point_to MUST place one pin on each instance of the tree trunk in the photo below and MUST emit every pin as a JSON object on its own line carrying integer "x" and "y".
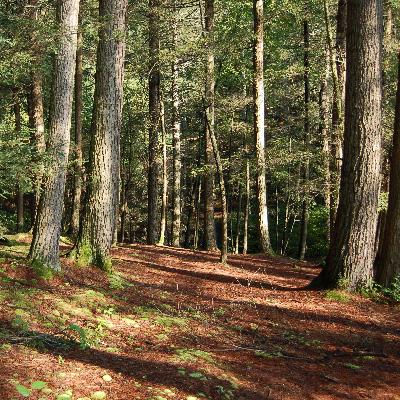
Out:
{"x": 324, "y": 135}
{"x": 337, "y": 63}
{"x": 164, "y": 199}
{"x": 176, "y": 145}
{"x": 351, "y": 254}
{"x": 78, "y": 162}
{"x": 101, "y": 205}
{"x": 306, "y": 194}
{"x": 224, "y": 249}
{"x": 388, "y": 261}
{"x": 209, "y": 227}
{"x": 45, "y": 243}
{"x": 154, "y": 114}
{"x": 238, "y": 220}
{"x": 246, "y": 208}
{"x": 19, "y": 198}
{"x": 259, "y": 129}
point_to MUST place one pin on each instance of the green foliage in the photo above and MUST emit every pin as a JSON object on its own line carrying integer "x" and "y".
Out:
{"x": 42, "y": 270}
{"x": 193, "y": 355}
{"x": 336, "y": 295}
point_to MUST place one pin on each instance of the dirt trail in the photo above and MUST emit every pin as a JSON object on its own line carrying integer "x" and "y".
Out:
{"x": 174, "y": 323}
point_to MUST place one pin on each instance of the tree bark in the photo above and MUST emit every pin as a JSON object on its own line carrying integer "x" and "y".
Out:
{"x": 176, "y": 145}
{"x": 306, "y": 194}
{"x": 164, "y": 199}
{"x": 259, "y": 128}
{"x": 20, "y": 192}
{"x": 45, "y": 243}
{"x": 351, "y": 254}
{"x": 101, "y": 205}
{"x": 78, "y": 161}
{"x": 154, "y": 114}
{"x": 388, "y": 261}
{"x": 209, "y": 227}
{"x": 246, "y": 207}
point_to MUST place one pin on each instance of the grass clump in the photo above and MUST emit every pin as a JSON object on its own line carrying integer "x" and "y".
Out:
{"x": 193, "y": 355}
{"x": 42, "y": 270}
{"x": 336, "y": 295}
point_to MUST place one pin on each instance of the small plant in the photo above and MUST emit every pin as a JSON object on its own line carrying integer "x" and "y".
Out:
{"x": 193, "y": 355}
{"x": 352, "y": 366}
{"x": 393, "y": 291}
{"x": 336, "y": 295}
{"x": 42, "y": 270}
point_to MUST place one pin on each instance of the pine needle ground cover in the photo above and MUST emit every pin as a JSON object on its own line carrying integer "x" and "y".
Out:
{"x": 175, "y": 324}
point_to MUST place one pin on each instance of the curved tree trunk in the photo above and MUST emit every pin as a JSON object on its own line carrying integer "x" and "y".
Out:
{"x": 99, "y": 221}
{"x": 259, "y": 129}
{"x": 351, "y": 255}
{"x": 388, "y": 262}
{"x": 45, "y": 243}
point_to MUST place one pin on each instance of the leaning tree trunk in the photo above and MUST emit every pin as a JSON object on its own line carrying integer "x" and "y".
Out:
{"x": 78, "y": 161}
{"x": 45, "y": 243}
{"x": 388, "y": 261}
{"x": 100, "y": 217}
{"x": 351, "y": 254}
{"x": 306, "y": 166}
{"x": 209, "y": 228}
{"x": 154, "y": 123}
{"x": 259, "y": 130}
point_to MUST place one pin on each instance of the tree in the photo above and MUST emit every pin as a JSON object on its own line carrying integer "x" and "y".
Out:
{"x": 45, "y": 243}
{"x": 388, "y": 260}
{"x": 154, "y": 123}
{"x": 351, "y": 254}
{"x": 78, "y": 161}
{"x": 259, "y": 106}
{"x": 209, "y": 228}
{"x": 101, "y": 206}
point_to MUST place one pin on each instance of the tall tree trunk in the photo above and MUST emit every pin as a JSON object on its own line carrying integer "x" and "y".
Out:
{"x": 20, "y": 192}
{"x": 259, "y": 121}
{"x": 209, "y": 227}
{"x": 239, "y": 206}
{"x": 324, "y": 135}
{"x": 388, "y": 261}
{"x": 78, "y": 161}
{"x": 154, "y": 114}
{"x": 45, "y": 243}
{"x": 176, "y": 145}
{"x": 35, "y": 112}
{"x": 246, "y": 208}
{"x": 164, "y": 198}
{"x": 306, "y": 194}
{"x": 337, "y": 57}
{"x": 351, "y": 254}
{"x": 101, "y": 205}
{"x": 224, "y": 249}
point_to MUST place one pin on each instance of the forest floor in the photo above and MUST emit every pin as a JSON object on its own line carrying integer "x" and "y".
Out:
{"x": 175, "y": 324}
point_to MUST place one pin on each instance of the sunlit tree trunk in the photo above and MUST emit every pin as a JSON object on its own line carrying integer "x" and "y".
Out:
{"x": 388, "y": 260}
{"x": 46, "y": 234}
{"x": 78, "y": 156}
{"x": 352, "y": 253}
{"x": 259, "y": 129}
{"x": 101, "y": 208}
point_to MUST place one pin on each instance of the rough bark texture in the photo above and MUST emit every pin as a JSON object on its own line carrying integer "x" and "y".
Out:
{"x": 351, "y": 255}
{"x": 154, "y": 123}
{"x": 306, "y": 166}
{"x": 101, "y": 208}
{"x": 164, "y": 198}
{"x": 45, "y": 243}
{"x": 78, "y": 156}
{"x": 209, "y": 228}
{"x": 20, "y": 194}
{"x": 176, "y": 145}
{"x": 388, "y": 262}
{"x": 259, "y": 129}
